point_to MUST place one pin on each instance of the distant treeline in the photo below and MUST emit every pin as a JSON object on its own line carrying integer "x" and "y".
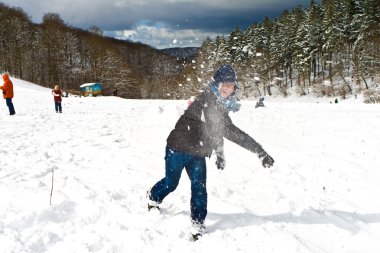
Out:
{"x": 331, "y": 48}
{"x": 54, "y": 53}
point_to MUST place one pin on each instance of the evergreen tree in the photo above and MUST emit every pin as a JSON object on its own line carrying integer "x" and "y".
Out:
{"x": 236, "y": 44}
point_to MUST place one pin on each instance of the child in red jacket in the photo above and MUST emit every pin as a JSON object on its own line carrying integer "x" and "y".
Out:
{"x": 57, "y": 93}
{"x": 8, "y": 93}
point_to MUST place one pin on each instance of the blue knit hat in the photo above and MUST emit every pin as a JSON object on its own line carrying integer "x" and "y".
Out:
{"x": 224, "y": 74}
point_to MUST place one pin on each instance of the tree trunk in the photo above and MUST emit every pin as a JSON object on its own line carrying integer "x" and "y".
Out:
{"x": 349, "y": 87}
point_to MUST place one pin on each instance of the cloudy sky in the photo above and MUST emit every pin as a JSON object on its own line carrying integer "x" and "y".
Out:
{"x": 159, "y": 23}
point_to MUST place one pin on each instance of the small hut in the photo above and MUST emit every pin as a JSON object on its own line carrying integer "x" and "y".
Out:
{"x": 91, "y": 89}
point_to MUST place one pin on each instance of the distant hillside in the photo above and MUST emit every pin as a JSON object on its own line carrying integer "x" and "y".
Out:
{"x": 53, "y": 53}
{"x": 180, "y": 53}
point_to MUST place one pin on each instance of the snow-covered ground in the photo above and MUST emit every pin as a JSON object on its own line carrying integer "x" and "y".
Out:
{"x": 322, "y": 195}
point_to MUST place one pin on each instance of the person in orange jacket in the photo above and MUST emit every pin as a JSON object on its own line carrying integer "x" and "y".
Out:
{"x": 8, "y": 93}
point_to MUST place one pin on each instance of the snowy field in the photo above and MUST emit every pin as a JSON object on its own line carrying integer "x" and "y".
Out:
{"x": 322, "y": 195}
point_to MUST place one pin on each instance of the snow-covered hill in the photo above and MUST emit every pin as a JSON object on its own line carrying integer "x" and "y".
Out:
{"x": 322, "y": 195}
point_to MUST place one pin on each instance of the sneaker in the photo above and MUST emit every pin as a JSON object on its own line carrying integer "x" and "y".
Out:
{"x": 151, "y": 203}
{"x": 197, "y": 230}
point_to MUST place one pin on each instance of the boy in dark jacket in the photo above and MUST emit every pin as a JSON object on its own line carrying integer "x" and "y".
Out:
{"x": 199, "y": 132}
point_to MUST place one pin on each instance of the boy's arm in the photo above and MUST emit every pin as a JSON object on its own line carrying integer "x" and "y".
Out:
{"x": 234, "y": 134}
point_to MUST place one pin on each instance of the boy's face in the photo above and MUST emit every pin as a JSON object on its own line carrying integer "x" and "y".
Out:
{"x": 226, "y": 89}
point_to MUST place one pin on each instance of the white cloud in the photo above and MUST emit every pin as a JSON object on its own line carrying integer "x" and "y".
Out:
{"x": 183, "y": 21}
{"x": 161, "y": 36}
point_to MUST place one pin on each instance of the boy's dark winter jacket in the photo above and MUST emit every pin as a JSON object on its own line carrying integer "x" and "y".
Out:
{"x": 201, "y": 129}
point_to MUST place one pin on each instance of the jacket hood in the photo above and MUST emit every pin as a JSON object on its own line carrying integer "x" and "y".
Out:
{"x": 5, "y": 76}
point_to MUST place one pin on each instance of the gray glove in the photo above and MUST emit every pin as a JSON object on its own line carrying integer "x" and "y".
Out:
{"x": 220, "y": 161}
{"x": 266, "y": 159}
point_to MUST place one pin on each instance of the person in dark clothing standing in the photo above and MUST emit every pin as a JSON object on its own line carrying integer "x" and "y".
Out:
{"x": 57, "y": 93}
{"x": 8, "y": 93}
{"x": 197, "y": 134}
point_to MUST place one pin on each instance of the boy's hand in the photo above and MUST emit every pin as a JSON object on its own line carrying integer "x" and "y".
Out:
{"x": 220, "y": 161}
{"x": 267, "y": 161}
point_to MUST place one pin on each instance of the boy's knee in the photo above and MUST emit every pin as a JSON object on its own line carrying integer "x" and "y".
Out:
{"x": 171, "y": 186}
{"x": 199, "y": 186}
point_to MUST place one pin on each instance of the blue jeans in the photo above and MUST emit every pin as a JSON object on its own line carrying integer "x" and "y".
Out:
{"x": 196, "y": 170}
{"x": 58, "y": 106}
{"x": 10, "y": 106}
